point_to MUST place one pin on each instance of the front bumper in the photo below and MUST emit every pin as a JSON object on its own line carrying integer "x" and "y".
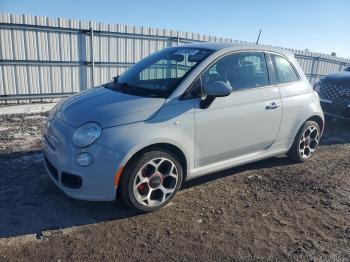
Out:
{"x": 339, "y": 109}
{"x": 95, "y": 182}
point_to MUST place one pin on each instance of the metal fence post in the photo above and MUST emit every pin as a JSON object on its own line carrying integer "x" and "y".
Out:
{"x": 92, "y": 57}
{"x": 82, "y": 44}
{"x": 316, "y": 69}
{"x": 312, "y": 69}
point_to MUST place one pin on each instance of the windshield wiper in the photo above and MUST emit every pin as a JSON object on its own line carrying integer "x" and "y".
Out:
{"x": 130, "y": 89}
{"x": 121, "y": 87}
{"x": 127, "y": 88}
{"x": 110, "y": 85}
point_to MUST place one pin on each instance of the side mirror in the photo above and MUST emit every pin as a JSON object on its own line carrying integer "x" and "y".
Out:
{"x": 176, "y": 57}
{"x": 217, "y": 89}
{"x": 214, "y": 89}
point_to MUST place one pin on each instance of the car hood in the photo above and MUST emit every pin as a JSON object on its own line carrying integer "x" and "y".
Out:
{"x": 342, "y": 78}
{"x": 107, "y": 107}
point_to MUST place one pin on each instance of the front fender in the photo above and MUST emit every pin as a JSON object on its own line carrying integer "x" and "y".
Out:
{"x": 134, "y": 137}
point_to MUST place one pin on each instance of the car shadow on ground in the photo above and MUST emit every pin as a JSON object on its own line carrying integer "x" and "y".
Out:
{"x": 31, "y": 203}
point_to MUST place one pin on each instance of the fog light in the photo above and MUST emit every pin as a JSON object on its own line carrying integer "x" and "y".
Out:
{"x": 84, "y": 159}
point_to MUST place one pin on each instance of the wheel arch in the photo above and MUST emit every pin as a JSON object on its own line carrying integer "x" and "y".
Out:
{"x": 291, "y": 153}
{"x": 314, "y": 116}
{"x": 179, "y": 153}
{"x": 318, "y": 120}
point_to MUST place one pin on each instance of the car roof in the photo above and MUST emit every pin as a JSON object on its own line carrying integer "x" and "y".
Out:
{"x": 236, "y": 47}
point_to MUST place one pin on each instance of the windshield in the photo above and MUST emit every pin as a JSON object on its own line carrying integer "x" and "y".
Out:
{"x": 159, "y": 74}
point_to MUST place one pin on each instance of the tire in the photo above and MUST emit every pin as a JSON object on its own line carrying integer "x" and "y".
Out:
{"x": 151, "y": 180}
{"x": 306, "y": 142}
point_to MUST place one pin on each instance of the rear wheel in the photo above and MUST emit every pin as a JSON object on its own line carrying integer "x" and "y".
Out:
{"x": 151, "y": 180}
{"x": 306, "y": 142}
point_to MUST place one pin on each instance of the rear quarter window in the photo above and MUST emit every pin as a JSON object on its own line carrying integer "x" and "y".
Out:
{"x": 284, "y": 71}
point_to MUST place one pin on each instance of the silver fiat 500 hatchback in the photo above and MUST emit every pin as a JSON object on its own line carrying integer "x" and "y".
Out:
{"x": 178, "y": 114}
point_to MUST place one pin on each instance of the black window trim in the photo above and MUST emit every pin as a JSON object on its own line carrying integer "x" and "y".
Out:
{"x": 270, "y": 69}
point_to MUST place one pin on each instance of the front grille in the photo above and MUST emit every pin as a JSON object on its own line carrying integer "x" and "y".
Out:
{"x": 333, "y": 92}
{"x": 53, "y": 171}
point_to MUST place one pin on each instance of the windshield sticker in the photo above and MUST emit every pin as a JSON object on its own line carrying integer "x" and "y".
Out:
{"x": 186, "y": 51}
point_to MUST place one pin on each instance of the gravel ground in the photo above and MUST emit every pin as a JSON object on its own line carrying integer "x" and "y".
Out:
{"x": 270, "y": 210}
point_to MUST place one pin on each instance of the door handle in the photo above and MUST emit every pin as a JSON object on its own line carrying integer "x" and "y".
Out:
{"x": 272, "y": 106}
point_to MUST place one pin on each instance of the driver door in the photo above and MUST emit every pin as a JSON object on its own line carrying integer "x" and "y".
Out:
{"x": 245, "y": 122}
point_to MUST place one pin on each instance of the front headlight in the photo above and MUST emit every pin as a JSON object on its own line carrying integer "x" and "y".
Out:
{"x": 87, "y": 134}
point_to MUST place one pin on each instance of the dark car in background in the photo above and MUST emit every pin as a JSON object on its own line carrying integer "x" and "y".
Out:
{"x": 334, "y": 92}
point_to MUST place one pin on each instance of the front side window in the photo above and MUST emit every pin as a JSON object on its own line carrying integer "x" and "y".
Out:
{"x": 284, "y": 72}
{"x": 159, "y": 74}
{"x": 240, "y": 70}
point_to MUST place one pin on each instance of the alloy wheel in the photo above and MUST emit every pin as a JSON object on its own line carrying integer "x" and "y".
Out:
{"x": 155, "y": 182}
{"x": 309, "y": 142}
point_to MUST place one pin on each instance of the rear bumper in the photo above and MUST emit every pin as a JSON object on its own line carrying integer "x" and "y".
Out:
{"x": 336, "y": 109}
{"x": 95, "y": 182}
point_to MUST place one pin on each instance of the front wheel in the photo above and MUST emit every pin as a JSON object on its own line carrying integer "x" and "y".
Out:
{"x": 306, "y": 142}
{"x": 151, "y": 180}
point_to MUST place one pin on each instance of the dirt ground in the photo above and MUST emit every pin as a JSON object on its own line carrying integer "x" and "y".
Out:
{"x": 270, "y": 210}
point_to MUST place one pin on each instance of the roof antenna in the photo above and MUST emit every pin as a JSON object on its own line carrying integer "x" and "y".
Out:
{"x": 257, "y": 41}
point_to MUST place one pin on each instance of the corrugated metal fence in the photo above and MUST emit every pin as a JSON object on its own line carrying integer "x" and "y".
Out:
{"x": 43, "y": 58}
